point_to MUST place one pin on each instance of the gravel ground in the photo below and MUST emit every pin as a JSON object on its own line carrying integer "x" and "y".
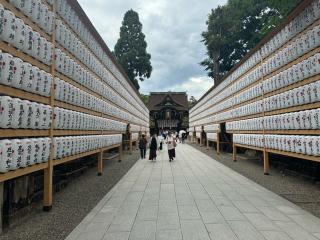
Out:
{"x": 297, "y": 189}
{"x": 71, "y": 204}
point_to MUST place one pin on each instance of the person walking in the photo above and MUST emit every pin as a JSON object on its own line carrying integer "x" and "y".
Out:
{"x": 171, "y": 144}
{"x": 143, "y": 146}
{"x": 153, "y": 148}
{"x": 180, "y": 136}
{"x": 160, "y": 142}
{"x": 183, "y": 137}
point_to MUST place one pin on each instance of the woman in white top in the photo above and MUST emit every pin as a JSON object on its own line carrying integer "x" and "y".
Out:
{"x": 171, "y": 144}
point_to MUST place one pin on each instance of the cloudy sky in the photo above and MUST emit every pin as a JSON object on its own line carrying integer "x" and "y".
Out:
{"x": 172, "y": 29}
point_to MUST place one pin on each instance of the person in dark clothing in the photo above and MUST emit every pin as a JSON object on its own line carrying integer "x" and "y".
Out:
{"x": 183, "y": 137}
{"x": 143, "y": 146}
{"x": 153, "y": 148}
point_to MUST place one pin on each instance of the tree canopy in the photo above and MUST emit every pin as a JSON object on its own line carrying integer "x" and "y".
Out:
{"x": 235, "y": 28}
{"x": 145, "y": 98}
{"x": 131, "y": 49}
{"x": 192, "y": 101}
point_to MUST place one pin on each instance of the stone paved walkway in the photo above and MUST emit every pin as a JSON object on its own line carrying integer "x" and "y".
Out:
{"x": 194, "y": 197}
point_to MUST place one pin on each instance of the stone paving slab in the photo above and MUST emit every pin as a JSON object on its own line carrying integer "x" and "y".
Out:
{"x": 193, "y": 198}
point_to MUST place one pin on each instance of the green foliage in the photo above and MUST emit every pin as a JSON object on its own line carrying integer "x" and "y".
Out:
{"x": 131, "y": 49}
{"x": 145, "y": 98}
{"x": 235, "y": 28}
{"x": 192, "y": 101}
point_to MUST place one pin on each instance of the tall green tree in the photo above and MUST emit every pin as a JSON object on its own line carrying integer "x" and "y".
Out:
{"x": 219, "y": 34}
{"x": 235, "y": 28}
{"x": 131, "y": 49}
{"x": 145, "y": 98}
{"x": 192, "y": 101}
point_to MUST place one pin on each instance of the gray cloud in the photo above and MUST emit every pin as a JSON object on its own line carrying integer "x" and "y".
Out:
{"x": 172, "y": 29}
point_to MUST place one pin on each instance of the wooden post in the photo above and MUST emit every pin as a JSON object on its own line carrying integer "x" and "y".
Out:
{"x": 120, "y": 153}
{"x": 100, "y": 163}
{"x": 48, "y": 172}
{"x": 218, "y": 144}
{"x": 266, "y": 166}
{"x": 207, "y": 144}
{"x": 234, "y": 152}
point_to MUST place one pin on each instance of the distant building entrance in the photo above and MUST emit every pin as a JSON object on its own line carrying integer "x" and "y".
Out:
{"x": 168, "y": 111}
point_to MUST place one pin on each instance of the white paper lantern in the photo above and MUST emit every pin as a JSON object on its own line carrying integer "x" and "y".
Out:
{"x": 9, "y": 27}
{"x": 37, "y": 150}
{"x": 27, "y": 114}
{"x": 17, "y": 113}
{"x": 7, "y": 69}
{"x": 35, "y": 118}
{"x": 27, "y": 152}
{"x": 18, "y": 72}
{"x": 5, "y": 155}
{"x": 6, "y": 111}
{"x": 17, "y": 154}
{"x": 20, "y": 34}
{"x": 28, "y": 43}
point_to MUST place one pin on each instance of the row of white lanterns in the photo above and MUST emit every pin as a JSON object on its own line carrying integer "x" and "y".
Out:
{"x": 72, "y": 69}
{"x": 309, "y": 15}
{"x": 298, "y": 96}
{"x": 37, "y": 11}
{"x": 294, "y": 50}
{"x": 212, "y": 128}
{"x": 15, "y": 32}
{"x": 17, "y": 113}
{"x": 298, "y": 72}
{"x": 308, "y": 145}
{"x": 303, "y": 70}
{"x": 68, "y": 119}
{"x": 72, "y": 145}
{"x": 305, "y": 94}
{"x": 302, "y": 120}
{"x": 22, "y": 75}
{"x": 20, "y": 153}
{"x": 68, "y": 93}
{"x": 70, "y": 42}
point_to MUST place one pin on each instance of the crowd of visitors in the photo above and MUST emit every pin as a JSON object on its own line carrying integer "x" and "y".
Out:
{"x": 157, "y": 144}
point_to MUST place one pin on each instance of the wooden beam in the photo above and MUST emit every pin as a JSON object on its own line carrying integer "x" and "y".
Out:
{"x": 22, "y": 171}
{"x": 296, "y": 155}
